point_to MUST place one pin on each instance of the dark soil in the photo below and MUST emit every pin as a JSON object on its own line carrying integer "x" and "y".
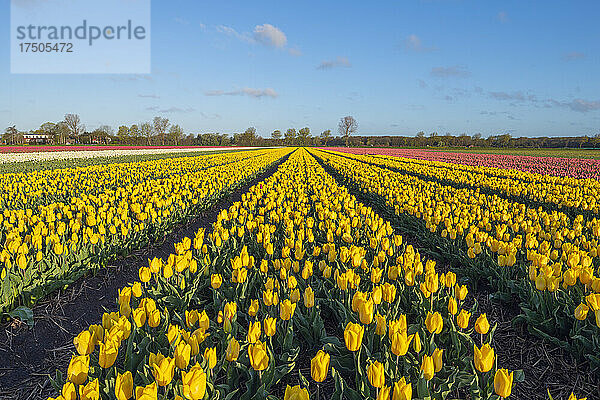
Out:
{"x": 29, "y": 356}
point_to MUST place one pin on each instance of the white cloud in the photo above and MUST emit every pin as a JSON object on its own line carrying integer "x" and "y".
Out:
{"x": 256, "y": 93}
{"x": 453, "y": 71}
{"x": 338, "y": 62}
{"x": 414, "y": 43}
{"x": 270, "y": 35}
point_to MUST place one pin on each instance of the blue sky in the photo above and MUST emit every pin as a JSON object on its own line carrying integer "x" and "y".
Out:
{"x": 529, "y": 68}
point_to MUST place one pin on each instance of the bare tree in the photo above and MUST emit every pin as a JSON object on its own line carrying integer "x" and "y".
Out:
{"x": 347, "y": 127}
{"x": 146, "y": 131}
{"x": 160, "y": 128}
{"x": 290, "y": 136}
{"x": 175, "y": 134}
{"x": 74, "y": 125}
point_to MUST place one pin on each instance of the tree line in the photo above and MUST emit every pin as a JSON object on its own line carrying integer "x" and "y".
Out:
{"x": 160, "y": 131}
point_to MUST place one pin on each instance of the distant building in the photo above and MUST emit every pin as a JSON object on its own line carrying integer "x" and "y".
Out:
{"x": 36, "y": 138}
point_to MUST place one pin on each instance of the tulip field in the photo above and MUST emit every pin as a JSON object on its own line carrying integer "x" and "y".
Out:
{"x": 340, "y": 275}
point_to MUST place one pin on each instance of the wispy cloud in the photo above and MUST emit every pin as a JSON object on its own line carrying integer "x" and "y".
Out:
{"x": 270, "y": 35}
{"x": 170, "y": 110}
{"x": 502, "y": 16}
{"x": 149, "y": 96}
{"x": 573, "y": 55}
{"x": 514, "y": 96}
{"x": 579, "y": 105}
{"x": 256, "y": 93}
{"x": 229, "y": 31}
{"x": 456, "y": 71}
{"x": 338, "y": 62}
{"x": 415, "y": 44}
{"x": 295, "y": 51}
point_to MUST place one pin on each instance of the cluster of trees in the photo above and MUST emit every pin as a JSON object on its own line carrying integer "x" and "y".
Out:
{"x": 159, "y": 131}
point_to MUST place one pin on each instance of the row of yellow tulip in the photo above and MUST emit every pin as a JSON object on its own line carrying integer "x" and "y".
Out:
{"x": 553, "y": 253}
{"x": 298, "y": 265}
{"x": 104, "y": 210}
{"x": 583, "y": 194}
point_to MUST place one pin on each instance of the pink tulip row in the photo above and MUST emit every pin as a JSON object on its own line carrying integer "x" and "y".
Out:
{"x": 572, "y": 167}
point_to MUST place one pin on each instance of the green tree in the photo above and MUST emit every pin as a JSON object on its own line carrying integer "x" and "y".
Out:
{"x": 123, "y": 134}
{"x": 325, "y": 135}
{"x": 290, "y": 136}
{"x": 175, "y": 134}
{"x": 304, "y": 135}
{"x": 276, "y": 134}
{"x": 161, "y": 125}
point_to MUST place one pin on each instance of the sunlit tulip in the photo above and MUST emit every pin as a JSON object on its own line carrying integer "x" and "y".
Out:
{"x": 482, "y": 326}
{"x": 78, "y": 369}
{"x": 417, "y": 343}
{"x": 295, "y": 393}
{"x": 191, "y": 318}
{"x": 108, "y": 354}
{"x": 384, "y": 393}
{"x": 194, "y": 383}
{"x": 148, "y": 392}
{"x": 144, "y": 274}
{"x": 210, "y": 355}
{"x": 483, "y": 358}
{"x": 90, "y": 391}
{"x": 452, "y": 306}
{"x": 353, "y": 335}
{"x": 254, "y": 331}
{"x": 461, "y": 292}
{"x": 427, "y": 367}
{"x": 376, "y": 374}
{"x": 84, "y": 342}
{"x": 365, "y": 311}
{"x": 163, "y": 371}
{"x": 581, "y": 311}
{"x": 259, "y": 359}
{"x": 434, "y": 322}
{"x": 286, "y": 309}
{"x": 319, "y": 366}
{"x": 400, "y": 343}
{"x": 381, "y": 325}
{"x": 270, "y": 325}
{"x": 124, "y": 386}
{"x": 462, "y": 319}
{"x": 389, "y": 292}
{"x": 503, "y": 382}
{"x": 216, "y": 280}
{"x": 183, "y": 352}
{"x": 402, "y": 390}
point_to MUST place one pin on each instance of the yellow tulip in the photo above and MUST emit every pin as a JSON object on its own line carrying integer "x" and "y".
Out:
{"x": 183, "y": 352}
{"x": 203, "y": 321}
{"x": 191, "y": 317}
{"x": 148, "y": 392}
{"x": 381, "y": 325}
{"x": 417, "y": 343}
{"x": 124, "y": 386}
{"x": 452, "y": 307}
{"x": 437, "y": 359}
{"x": 400, "y": 343}
{"x": 434, "y": 322}
{"x": 259, "y": 359}
{"x": 145, "y": 274}
{"x": 108, "y": 354}
{"x": 216, "y": 280}
{"x": 194, "y": 383}
{"x": 90, "y": 391}
{"x": 253, "y": 309}
{"x": 210, "y": 354}
{"x": 503, "y": 382}
{"x": 482, "y": 326}
{"x": 84, "y": 343}
{"x": 254, "y": 331}
{"x": 384, "y": 393}
{"x": 286, "y": 309}
{"x": 295, "y": 393}
{"x": 376, "y": 374}
{"x": 461, "y": 292}
{"x": 462, "y": 319}
{"x": 483, "y": 358}
{"x": 365, "y": 311}
{"x": 78, "y": 369}
{"x": 309, "y": 297}
{"x": 353, "y": 335}
{"x": 163, "y": 371}
{"x": 68, "y": 392}
{"x": 154, "y": 318}
{"x": 319, "y": 366}
{"x": 270, "y": 325}
{"x": 427, "y": 367}
{"x": 139, "y": 316}
{"x": 233, "y": 350}
{"x": 402, "y": 390}
{"x": 389, "y": 292}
